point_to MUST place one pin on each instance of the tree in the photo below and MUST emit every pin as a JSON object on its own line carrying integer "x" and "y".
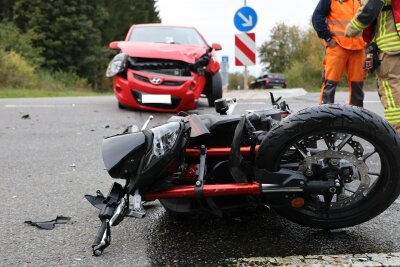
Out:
{"x": 283, "y": 46}
{"x": 68, "y": 32}
{"x": 236, "y": 80}
{"x": 11, "y": 39}
{"x": 127, "y": 12}
{"x": 306, "y": 66}
{"x": 6, "y": 8}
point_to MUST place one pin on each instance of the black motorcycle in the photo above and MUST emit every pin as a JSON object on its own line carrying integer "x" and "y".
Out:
{"x": 328, "y": 167}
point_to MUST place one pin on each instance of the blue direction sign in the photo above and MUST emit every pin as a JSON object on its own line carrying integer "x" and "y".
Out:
{"x": 245, "y": 19}
{"x": 225, "y": 59}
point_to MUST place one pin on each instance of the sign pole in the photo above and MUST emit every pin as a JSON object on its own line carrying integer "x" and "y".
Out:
{"x": 246, "y": 87}
{"x": 245, "y": 67}
{"x": 245, "y": 20}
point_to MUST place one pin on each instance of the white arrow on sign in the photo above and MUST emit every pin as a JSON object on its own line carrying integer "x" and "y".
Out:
{"x": 248, "y": 22}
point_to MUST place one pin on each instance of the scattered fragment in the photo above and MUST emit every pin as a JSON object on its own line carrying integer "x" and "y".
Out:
{"x": 26, "y": 116}
{"x": 96, "y": 201}
{"x": 49, "y": 225}
{"x": 13, "y": 196}
{"x": 92, "y": 130}
{"x": 107, "y": 126}
{"x": 73, "y": 165}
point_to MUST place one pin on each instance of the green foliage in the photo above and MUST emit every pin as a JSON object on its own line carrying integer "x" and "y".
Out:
{"x": 236, "y": 80}
{"x": 68, "y": 32}
{"x": 306, "y": 67}
{"x": 15, "y": 71}
{"x": 123, "y": 15}
{"x": 72, "y": 35}
{"x": 6, "y": 7}
{"x": 283, "y": 46}
{"x": 12, "y": 39}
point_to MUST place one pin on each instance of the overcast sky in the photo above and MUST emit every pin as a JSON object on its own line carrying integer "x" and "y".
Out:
{"x": 214, "y": 19}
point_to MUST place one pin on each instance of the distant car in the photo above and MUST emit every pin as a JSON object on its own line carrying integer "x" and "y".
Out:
{"x": 270, "y": 80}
{"x": 164, "y": 68}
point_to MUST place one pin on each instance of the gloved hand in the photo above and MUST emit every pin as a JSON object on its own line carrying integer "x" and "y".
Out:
{"x": 351, "y": 31}
{"x": 371, "y": 57}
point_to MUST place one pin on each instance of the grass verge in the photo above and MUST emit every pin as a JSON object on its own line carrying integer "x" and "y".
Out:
{"x": 21, "y": 93}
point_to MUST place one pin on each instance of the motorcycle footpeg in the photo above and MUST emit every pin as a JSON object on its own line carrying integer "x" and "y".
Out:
{"x": 102, "y": 239}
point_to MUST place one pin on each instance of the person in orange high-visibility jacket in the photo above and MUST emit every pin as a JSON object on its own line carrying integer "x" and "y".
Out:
{"x": 343, "y": 54}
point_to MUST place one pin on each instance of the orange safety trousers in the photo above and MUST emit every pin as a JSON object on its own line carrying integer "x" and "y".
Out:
{"x": 338, "y": 60}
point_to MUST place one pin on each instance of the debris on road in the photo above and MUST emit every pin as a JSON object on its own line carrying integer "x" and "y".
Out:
{"x": 49, "y": 225}
{"x": 26, "y": 116}
{"x": 96, "y": 201}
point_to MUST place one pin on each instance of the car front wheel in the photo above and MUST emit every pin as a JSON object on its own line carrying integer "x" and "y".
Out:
{"x": 215, "y": 89}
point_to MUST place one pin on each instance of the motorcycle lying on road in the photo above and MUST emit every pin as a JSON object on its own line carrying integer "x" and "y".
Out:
{"x": 327, "y": 167}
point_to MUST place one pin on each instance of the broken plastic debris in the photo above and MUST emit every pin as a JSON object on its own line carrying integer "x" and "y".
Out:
{"x": 107, "y": 126}
{"x": 73, "y": 165}
{"x": 26, "y": 116}
{"x": 49, "y": 225}
{"x": 96, "y": 201}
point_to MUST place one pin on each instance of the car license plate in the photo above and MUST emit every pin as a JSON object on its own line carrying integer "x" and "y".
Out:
{"x": 158, "y": 99}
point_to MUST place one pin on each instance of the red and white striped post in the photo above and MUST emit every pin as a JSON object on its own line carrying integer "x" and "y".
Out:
{"x": 245, "y": 52}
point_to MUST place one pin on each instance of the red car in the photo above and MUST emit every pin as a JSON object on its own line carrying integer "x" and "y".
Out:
{"x": 164, "y": 68}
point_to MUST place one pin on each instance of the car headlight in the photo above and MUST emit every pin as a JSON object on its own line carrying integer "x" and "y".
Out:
{"x": 164, "y": 138}
{"x": 117, "y": 65}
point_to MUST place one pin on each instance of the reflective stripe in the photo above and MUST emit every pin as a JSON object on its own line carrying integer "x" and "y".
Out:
{"x": 391, "y": 39}
{"x": 391, "y": 121}
{"x": 387, "y": 36}
{"x": 392, "y": 112}
{"x": 337, "y": 33}
{"x": 338, "y": 22}
{"x": 390, "y": 47}
{"x": 358, "y": 25}
{"x": 389, "y": 95}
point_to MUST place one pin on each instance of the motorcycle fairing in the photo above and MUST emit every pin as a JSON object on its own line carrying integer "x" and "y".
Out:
{"x": 149, "y": 173}
{"x": 116, "y": 149}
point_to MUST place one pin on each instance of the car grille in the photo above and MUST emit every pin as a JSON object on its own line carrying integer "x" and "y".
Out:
{"x": 166, "y": 83}
{"x": 174, "y": 102}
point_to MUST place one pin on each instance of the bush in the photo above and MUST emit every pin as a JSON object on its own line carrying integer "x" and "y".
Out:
{"x": 15, "y": 71}
{"x": 11, "y": 39}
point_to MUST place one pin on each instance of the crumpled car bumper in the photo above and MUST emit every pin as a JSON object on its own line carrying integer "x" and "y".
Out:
{"x": 172, "y": 94}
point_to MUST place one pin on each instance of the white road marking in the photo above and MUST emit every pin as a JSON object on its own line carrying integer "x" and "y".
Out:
{"x": 39, "y": 106}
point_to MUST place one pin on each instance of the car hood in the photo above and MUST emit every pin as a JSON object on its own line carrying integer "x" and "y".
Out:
{"x": 187, "y": 53}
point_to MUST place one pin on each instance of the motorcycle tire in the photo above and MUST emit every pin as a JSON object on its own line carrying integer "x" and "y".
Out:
{"x": 215, "y": 89}
{"x": 352, "y": 121}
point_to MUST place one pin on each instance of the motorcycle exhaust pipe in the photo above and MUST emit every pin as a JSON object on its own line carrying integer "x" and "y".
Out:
{"x": 214, "y": 190}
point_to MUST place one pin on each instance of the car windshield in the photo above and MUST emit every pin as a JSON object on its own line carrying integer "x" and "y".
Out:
{"x": 168, "y": 35}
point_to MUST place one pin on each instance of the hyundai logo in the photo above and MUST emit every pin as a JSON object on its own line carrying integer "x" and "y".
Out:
{"x": 155, "y": 80}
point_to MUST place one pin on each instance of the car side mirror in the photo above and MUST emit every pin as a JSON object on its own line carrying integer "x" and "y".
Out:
{"x": 216, "y": 46}
{"x": 114, "y": 45}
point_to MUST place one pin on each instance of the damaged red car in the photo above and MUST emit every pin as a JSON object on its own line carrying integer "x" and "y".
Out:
{"x": 164, "y": 68}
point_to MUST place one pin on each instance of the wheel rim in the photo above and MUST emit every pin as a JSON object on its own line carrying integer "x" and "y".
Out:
{"x": 346, "y": 157}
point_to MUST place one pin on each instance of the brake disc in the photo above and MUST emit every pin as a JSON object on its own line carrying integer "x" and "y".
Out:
{"x": 360, "y": 165}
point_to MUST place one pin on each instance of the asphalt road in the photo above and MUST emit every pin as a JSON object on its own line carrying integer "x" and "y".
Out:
{"x": 48, "y": 163}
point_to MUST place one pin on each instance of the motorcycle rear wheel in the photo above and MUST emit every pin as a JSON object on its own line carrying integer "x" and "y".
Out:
{"x": 349, "y": 135}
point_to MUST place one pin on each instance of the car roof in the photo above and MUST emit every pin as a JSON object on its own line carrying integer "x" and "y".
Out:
{"x": 160, "y": 25}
